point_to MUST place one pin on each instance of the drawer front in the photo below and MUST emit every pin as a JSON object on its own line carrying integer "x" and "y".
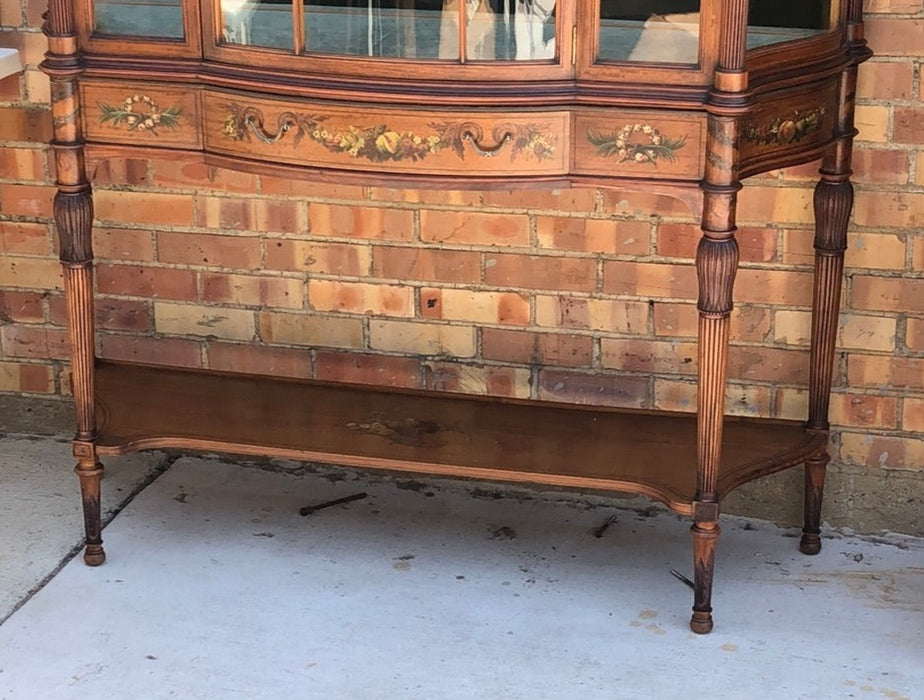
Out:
{"x": 789, "y": 125}
{"x": 398, "y": 140}
{"x": 141, "y": 114}
{"x": 636, "y": 143}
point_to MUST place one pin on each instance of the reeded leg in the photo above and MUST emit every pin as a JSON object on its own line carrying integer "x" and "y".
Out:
{"x": 814, "y": 489}
{"x": 90, "y": 473}
{"x": 704, "y": 536}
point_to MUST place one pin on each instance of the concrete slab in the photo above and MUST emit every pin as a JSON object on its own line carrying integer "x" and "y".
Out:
{"x": 41, "y": 519}
{"x": 215, "y": 587}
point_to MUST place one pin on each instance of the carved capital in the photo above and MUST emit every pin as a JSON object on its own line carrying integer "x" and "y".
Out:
{"x": 833, "y": 202}
{"x": 716, "y": 265}
{"x": 73, "y": 213}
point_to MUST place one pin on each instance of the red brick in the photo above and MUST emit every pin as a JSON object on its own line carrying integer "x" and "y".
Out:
{"x": 123, "y": 315}
{"x": 536, "y": 199}
{"x": 122, "y": 171}
{"x": 777, "y": 286}
{"x": 379, "y": 370}
{"x": 311, "y": 256}
{"x": 864, "y": 411}
{"x": 26, "y": 200}
{"x": 768, "y": 364}
{"x": 536, "y": 348}
{"x": 36, "y": 379}
{"x": 504, "y": 308}
{"x": 882, "y": 451}
{"x": 880, "y": 371}
{"x": 650, "y": 280}
{"x": 235, "y": 252}
{"x": 34, "y": 342}
{"x": 360, "y": 222}
{"x": 21, "y": 307}
{"x": 309, "y": 188}
{"x": 253, "y": 290}
{"x": 259, "y": 359}
{"x": 474, "y": 228}
{"x": 251, "y": 214}
{"x": 29, "y": 124}
{"x": 199, "y": 176}
{"x": 895, "y": 37}
{"x": 390, "y": 300}
{"x": 24, "y": 238}
{"x": 880, "y": 166}
{"x": 141, "y": 208}
{"x": 158, "y": 282}
{"x": 460, "y": 199}
{"x": 648, "y": 357}
{"x": 611, "y": 236}
{"x": 681, "y": 240}
{"x": 641, "y": 203}
{"x": 882, "y": 80}
{"x": 541, "y": 272}
{"x": 476, "y": 379}
{"x": 908, "y": 123}
{"x": 594, "y": 389}
{"x": 886, "y": 294}
{"x": 402, "y": 263}
{"x": 123, "y": 244}
{"x": 157, "y": 351}
{"x": 22, "y": 164}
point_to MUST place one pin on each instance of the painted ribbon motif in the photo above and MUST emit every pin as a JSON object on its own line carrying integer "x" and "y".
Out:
{"x": 379, "y": 143}
{"x": 636, "y": 143}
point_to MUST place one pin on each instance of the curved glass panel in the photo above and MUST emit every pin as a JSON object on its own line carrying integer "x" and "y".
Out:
{"x": 652, "y": 31}
{"x": 773, "y": 21}
{"x": 158, "y": 19}
{"x": 503, "y": 30}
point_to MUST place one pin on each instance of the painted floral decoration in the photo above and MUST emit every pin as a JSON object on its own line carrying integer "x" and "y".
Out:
{"x": 380, "y": 143}
{"x": 786, "y": 130}
{"x": 140, "y": 113}
{"x": 636, "y": 143}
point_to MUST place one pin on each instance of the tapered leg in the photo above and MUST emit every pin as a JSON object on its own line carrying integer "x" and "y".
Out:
{"x": 704, "y": 537}
{"x": 814, "y": 489}
{"x": 90, "y": 473}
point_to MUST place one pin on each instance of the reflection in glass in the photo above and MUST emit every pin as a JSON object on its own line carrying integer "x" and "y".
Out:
{"x": 655, "y": 31}
{"x": 265, "y": 23}
{"x": 159, "y": 19}
{"x": 506, "y": 30}
{"x": 773, "y": 21}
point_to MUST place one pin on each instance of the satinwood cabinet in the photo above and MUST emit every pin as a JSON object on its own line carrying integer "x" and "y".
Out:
{"x": 682, "y": 97}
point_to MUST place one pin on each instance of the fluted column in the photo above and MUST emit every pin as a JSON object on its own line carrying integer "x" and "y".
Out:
{"x": 73, "y": 215}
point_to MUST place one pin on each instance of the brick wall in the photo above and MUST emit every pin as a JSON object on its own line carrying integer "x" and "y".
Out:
{"x": 462, "y": 291}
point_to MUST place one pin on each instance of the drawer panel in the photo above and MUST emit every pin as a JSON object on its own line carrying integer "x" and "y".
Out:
{"x": 400, "y": 140}
{"x": 142, "y": 114}
{"x": 788, "y": 125}
{"x": 635, "y": 143}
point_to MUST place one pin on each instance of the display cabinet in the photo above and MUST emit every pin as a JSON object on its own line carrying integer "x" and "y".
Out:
{"x": 683, "y": 97}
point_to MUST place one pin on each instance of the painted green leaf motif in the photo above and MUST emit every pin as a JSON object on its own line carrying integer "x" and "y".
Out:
{"x": 636, "y": 143}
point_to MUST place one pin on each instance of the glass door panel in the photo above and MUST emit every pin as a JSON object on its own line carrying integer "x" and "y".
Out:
{"x": 266, "y": 23}
{"x": 650, "y": 31}
{"x": 773, "y": 21}
{"x": 430, "y": 29}
{"x": 158, "y": 19}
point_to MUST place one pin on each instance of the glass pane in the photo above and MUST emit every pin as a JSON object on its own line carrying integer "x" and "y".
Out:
{"x": 257, "y": 23}
{"x": 161, "y": 19}
{"x": 772, "y": 21}
{"x": 494, "y": 29}
{"x": 654, "y": 31}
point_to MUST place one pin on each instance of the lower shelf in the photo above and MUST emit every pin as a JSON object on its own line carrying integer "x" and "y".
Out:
{"x": 652, "y": 453}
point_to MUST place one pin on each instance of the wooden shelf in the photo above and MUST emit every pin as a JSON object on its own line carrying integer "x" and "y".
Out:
{"x": 653, "y": 453}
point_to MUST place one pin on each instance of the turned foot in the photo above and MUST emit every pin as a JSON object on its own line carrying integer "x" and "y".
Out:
{"x": 93, "y": 555}
{"x": 810, "y": 543}
{"x": 701, "y": 622}
{"x": 814, "y": 491}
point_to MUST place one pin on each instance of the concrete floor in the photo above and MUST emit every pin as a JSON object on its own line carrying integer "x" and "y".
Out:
{"x": 215, "y": 587}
